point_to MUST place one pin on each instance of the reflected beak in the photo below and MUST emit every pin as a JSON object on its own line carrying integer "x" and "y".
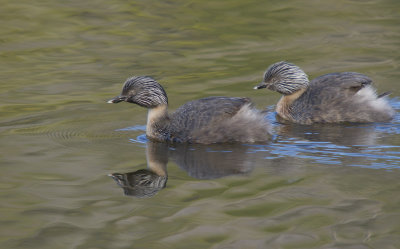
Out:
{"x": 116, "y": 99}
{"x": 118, "y": 178}
{"x": 260, "y": 86}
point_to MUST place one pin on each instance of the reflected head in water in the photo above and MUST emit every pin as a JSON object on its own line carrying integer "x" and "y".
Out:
{"x": 141, "y": 183}
{"x": 146, "y": 182}
{"x": 208, "y": 120}
{"x": 330, "y": 98}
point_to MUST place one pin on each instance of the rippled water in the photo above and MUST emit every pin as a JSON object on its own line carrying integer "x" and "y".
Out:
{"x": 332, "y": 186}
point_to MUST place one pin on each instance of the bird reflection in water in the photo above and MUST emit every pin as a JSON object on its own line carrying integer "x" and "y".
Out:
{"x": 219, "y": 160}
{"x": 199, "y": 161}
{"x": 146, "y": 182}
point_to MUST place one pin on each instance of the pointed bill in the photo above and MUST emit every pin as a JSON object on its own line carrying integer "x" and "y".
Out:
{"x": 116, "y": 99}
{"x": 260, "y": 86}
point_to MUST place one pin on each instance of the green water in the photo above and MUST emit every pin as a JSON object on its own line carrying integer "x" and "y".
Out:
{"x": 313, "y": 187}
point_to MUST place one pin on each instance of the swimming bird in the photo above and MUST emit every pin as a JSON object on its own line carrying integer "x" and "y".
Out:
{"x": 330, "y": 98}
{"x": 206, "y": 120}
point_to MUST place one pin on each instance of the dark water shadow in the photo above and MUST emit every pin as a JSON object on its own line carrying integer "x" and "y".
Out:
{"x": 199, "y": 161}
{"x": 339, "y": 134}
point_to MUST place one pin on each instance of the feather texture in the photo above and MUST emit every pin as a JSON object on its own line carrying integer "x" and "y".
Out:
{"x": 330, "y": 98}
{"x": 206, "y": 120}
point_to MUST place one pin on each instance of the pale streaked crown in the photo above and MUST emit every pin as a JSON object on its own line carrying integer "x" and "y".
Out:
{"x": 285, "y": 78}
{"x": 144, "y": 91}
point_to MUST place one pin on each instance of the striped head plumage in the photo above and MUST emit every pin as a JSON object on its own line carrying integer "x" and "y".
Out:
{"x": 143, "y": 91}
{"x": 284, "y": 77}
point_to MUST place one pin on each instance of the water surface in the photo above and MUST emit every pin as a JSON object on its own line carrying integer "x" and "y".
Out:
{"x": 332, "y": 186}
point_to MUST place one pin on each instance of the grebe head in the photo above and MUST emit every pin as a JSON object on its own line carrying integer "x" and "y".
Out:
{"x": 284, "y": 77}
{"x": 143, "y": 91}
